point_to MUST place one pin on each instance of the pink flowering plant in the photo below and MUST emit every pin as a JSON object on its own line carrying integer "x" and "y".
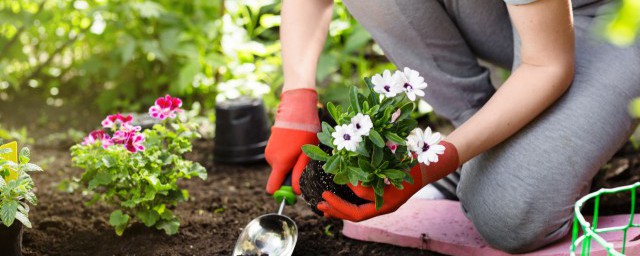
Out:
{"x": 137, "y": 171}
{"x": 375, "y": 141}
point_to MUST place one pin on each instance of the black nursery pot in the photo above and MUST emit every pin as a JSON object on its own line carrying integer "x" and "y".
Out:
{"x": 242, "y": 131}
{"x": 314, "y": 181}
{"x": 11, "y": 239}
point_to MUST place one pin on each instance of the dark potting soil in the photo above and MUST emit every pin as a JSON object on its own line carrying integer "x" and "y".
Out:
{"x": 211, "y": 220}
{"x": 314, "y": 181}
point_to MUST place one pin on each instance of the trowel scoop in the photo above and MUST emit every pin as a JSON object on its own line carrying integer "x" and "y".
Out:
{"x": 270, "y": 234}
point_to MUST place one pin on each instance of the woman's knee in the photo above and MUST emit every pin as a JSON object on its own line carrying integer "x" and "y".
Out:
{"x": 518, "y": 229}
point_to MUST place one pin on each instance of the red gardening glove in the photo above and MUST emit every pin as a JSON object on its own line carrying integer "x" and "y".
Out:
{"x": 296, "y": 124}
{"x": 336, "y": 207}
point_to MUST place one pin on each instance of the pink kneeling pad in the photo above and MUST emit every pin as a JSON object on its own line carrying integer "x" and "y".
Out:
{"x": 440, "y": 226}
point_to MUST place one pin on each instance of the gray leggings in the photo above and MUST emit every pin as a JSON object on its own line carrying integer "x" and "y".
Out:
{"x": 520, "y": 193}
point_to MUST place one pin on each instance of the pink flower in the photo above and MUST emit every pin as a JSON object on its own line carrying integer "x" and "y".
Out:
{"x": 392, "y": 146}
{"x": 111, "y": 120}
{"x": 134, "y": 143}
{"x": 106, "y": 142}
{"x": 98, "y": 135}
{"x": 395, "y": 115}
{"x": 164, "y": 107}
{"x": 121, "y": 137}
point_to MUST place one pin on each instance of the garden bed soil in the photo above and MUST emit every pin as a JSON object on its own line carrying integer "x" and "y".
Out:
{"x": 210, "y": 221}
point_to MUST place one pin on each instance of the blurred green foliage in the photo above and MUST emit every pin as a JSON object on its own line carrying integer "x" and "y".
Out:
{"x": 120, "y": 54}
{"x": 623, "y": 29}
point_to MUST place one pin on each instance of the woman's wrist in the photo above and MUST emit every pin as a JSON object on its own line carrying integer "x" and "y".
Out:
{"x": 292, "y": 83}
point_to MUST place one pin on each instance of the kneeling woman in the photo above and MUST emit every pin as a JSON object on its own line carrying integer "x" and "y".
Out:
{"x": 529, "y": 149}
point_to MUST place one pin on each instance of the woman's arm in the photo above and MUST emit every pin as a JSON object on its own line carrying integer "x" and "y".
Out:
{"x": 304, "y": 28}
{"x": 546, "y": 70}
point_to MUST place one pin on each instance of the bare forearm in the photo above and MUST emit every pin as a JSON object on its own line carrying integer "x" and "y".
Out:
{"x": 547, "y": 50}
{"x": 527, "y": 93}
{"x": 304, "y": 28}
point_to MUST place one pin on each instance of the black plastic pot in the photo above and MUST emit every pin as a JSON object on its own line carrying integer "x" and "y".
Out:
{"x": 242, "y": 131}
{"x": 11, "y": 239}
{"x": 314, "y": 181}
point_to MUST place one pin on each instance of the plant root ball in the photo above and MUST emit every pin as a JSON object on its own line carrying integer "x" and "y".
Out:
{"x": 314, "y": 181}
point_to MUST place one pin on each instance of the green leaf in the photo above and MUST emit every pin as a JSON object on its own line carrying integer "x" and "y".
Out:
{"x": 148, "y": 217}
{"x": 341, "y": 178}
{"x": 366, "y": 166}
{"x": 394, "y": 174}
{"x": 315, "y": 153}
{"x": 325, "y": 138}
{"x": 333, "y": 111}
{"x": 356, "y": 174}
{"x": 405, "y": 111}
{"x": 353, "y": 176}
{"x": 25, "y": 155}
{"x": 379, "y": 202}
{"x": 198, "y": 170}
{"x": 361, "y": 149}
{"x": 119, "y": 220}
{"x": 376, "y": 138}
{"x": 394, "y": 138}
{"x": 170, "y": 227}
{"x": 365, "y": 107}
{"x": 108, "y": 161}
{"x": 8, "y": 212}
{"x": 331, "y": 166}
{"x": 377, "y": 156}
{"x": 23, "y": 219}
{"x": 103, "y": 177}
{"x": 353, "y": 99}
{"x": 29, "y": 167}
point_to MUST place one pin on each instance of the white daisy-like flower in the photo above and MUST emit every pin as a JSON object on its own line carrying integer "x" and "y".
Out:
{"x": 386, "y": 84}
{"x": 411, "y": 83}
{"x": 362, "y": 124}
{"x": 425, "y": 145}
{"x": 346, "y": 137}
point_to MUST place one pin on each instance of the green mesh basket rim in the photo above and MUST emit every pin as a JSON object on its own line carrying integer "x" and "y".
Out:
{"x": 590, "y": 232}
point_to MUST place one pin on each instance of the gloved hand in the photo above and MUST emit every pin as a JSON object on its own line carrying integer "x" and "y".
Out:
{"x": 296, "y": 124}
{"x": 336, "y": 207}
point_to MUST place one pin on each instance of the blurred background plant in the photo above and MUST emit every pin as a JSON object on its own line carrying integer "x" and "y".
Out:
{"x": 116, "y": 55}
{"x": 69, "y": 60}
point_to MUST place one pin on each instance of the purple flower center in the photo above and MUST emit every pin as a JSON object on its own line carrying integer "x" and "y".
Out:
{"x": 387, "y": 88}
{"x": 408, "y": 86}
{"x": 425, "y": 147}
{"x": 358, "y": 126}
{"x": 346, "y": 137}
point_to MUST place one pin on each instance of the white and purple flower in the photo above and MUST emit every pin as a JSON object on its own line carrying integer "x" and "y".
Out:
{"x": 425, "y": 145}
{"x": 346, "y": 137}
{"x": 362, "y": 124}
{"x": 386, "y": 84}
{"x": 410, "y": 82}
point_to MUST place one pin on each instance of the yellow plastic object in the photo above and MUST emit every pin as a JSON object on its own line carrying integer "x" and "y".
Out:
{"x": 11, "y": 156}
